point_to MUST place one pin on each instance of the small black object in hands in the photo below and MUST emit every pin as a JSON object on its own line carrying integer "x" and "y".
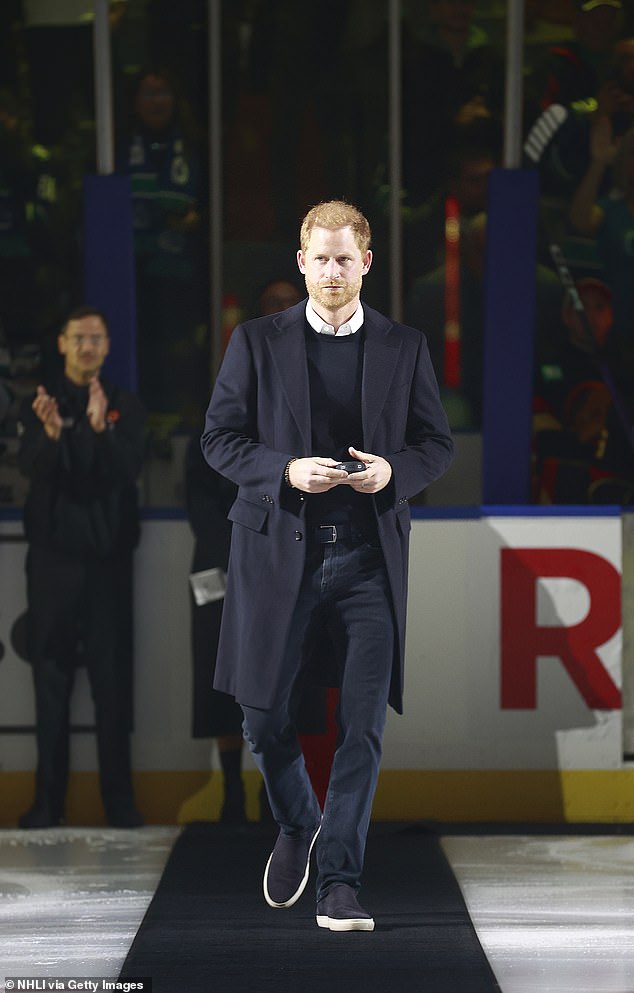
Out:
{"x": 351, "y": 466}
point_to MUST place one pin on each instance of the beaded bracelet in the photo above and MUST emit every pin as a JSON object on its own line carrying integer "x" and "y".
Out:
{"x": 287, "y": 478}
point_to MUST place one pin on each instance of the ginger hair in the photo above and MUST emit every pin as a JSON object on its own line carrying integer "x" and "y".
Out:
{"x": 336, "y": 214}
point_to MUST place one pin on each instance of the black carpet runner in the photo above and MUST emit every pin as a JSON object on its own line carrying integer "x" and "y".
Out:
{"x": 209, "y": 930}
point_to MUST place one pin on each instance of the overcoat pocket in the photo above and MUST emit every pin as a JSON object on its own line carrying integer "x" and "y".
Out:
{"x": 250, "y": 515}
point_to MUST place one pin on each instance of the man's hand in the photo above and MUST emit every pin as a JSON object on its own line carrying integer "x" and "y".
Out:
{"x": 315, "y": 475}
{"x": 45, "y": 407}
{"x": 97, "y": 406}
{"x": 376, "y": 475}
{"x": 319, "y": 475}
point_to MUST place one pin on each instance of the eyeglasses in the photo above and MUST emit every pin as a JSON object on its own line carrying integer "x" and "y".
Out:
{"x": 77, "y": 340}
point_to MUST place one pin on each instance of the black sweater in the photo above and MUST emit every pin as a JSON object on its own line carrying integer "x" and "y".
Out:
{"x": 335, "y": 373}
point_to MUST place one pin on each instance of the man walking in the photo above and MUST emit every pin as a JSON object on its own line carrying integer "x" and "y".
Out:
{"x": 319, "y": 551}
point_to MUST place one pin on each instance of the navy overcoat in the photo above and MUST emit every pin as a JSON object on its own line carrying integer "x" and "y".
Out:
{"x": 258, "y": 418}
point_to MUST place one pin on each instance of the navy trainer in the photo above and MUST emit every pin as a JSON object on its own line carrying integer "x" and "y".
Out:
{"x": 287, "y": 869}
{"x": 339, "y": 910}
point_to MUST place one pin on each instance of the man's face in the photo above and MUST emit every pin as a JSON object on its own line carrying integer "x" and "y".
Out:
{"x": 154, "y": 103}
{"x": 84, "y": 345}
{"x": 278, "y": 296}
{"x": 598, "y": 28}
{"x": 333, "y": 267}
{"x": 471, "y": 186}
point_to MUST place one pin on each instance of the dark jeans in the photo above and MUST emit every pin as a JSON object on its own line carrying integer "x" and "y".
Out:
{"x": 345, "y": 588}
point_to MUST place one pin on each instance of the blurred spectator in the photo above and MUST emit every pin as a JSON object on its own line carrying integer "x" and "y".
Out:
{"x": 616, "y": 94}
{"x": 574, "y": 71}
{"x": 610, "y": 219}
{"x": 161, "y": 153}
{"x": 466, "y": 181}
{"x": 426, "y": 307}
{"x": 285, "y": 39}
{"x": 279, "y": 294}
{"x": 582, "y": 454}
{"x": 177, "y": 40}
{"x": 208, "y": 498}
{"x": 31, "y": 280}
{"x": 559, "y": 145}
{"x": 567, "y": 354}
{"x": 82, "y": 447}
{"x": 453, "y": 78}
{"x": 559, "y": 140}
{"x": 128, "y": 44}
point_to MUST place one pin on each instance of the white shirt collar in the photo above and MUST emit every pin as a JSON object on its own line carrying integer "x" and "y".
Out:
{"x": 319, "y": 325}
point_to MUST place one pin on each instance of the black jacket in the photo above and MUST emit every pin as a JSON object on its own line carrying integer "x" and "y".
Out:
{"x": 83, "y": 495}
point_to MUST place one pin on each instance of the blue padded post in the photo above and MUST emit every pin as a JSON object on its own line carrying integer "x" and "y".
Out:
{"x": 510, "y": 286}
{"x": 109, "y": 274}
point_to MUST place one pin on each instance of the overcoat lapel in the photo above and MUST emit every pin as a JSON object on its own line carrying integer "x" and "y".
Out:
{"x": 287, "y": 343}
{"x": 379, "y": 367}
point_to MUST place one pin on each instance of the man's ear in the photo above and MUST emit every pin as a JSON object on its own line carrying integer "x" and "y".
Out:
{"x": 301, "y": 262}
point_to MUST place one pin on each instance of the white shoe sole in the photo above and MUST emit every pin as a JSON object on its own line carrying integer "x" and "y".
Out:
{"x": 347, "y": 924}
{"x": 300, "y": 889}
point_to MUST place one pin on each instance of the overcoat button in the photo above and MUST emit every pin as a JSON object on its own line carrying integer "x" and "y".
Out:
{"x": 298, "y": 536}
